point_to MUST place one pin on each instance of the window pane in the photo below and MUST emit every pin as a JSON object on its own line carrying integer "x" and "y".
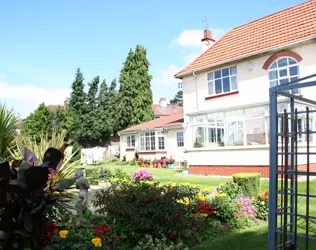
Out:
{"x": 211, "y": 87}
{"x": 273, "y": 83}
{"x": 233, "y": 80}
{"x": 211, "y": 135}
{"x": 294, "y": 71}
{"x": 283, "y": 81}
{"x": 218, "y": 86}
{"x": 218, "y": 74}
{"x": 153, "y": 141}
{"x": 233, "y": 70}
{"x": 235, "y": 133}
{"x": 210, "y": 76}
{"x": 283, "y": 72}
{"x": 200, "y": 135}
{"x": 273, "y": 75}
{"x": 291, "y": 61}
{"x": 255, "y": 132}
{"x": 273, "y": 65}
{"x": 282, "y": 62}
{"x": 180, "y": 141}
{"x": 294, "y": 79}
{"x": 226, "y": 84}
{"x": 225, "y": 72}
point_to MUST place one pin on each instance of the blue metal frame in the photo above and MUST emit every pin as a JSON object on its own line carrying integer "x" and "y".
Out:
{"x": 292, "y": 155}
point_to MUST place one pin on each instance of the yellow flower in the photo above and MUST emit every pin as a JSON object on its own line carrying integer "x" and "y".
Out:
{"x": 63, "y": 234}
{"x": 172, "y": 242}
{"x": 160, "y": 185}
{"x": 221, "y": 195}
{"x": 185, "y": 184}
{"x": 184, "y": 202}
{"x": 205, "y": 190}
{"x": 215, "y": 212}
{"x": 204, "y": 215}
{"x": 200, "y": 197}
{"x": 124, "y": 181}
{"x": 95, "y": 240}
{"x": 173, "y": 184}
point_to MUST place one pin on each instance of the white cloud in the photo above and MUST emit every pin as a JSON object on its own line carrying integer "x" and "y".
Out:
{"x": 166, "y": 77}
{"x": 31, "y": 95}
{"x": 192, "y": 37}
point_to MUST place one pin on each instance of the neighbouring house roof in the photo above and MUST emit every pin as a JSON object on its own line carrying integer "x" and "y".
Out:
{"x": 53, "y": 108}
{"x": 281, "y": 29}
{"x": 169, "y": 110}
{"x": 164, "y": 121}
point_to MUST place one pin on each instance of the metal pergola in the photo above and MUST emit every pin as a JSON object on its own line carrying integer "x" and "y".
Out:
{"x": 291, "y": 218}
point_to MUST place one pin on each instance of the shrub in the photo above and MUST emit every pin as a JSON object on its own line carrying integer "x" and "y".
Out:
{"x": 120, "y": 174}
{"x": 141, "y": 208}
{"x": 105, "y": 174}
{"x": 230, "y": 188}
{"x": 142, "y": 175}
{"x": 92, "y": 174}
{"x": 261, "y": 202}
{"x": 245, "y": 206}
{"x": 148, "y": 243}
{"x": 249, "y": 183}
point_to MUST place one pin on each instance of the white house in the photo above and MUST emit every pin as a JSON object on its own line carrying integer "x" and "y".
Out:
{"x": 162, "y": 137}
{"x": 226, "y": 90}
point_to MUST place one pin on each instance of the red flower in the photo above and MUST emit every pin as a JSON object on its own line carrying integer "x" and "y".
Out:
{"x": 155, "y": 231}
{"x": 114, "y": 198}
{"x": 279, "y": 198}
{"x": 46, "y": 242}
{"x": 176, "y": 214}
{"x": 154, "y": 198}
{"x": 117, "y": 238}
{"x": 145, "y": 200}
{"x": 267, "y": 192}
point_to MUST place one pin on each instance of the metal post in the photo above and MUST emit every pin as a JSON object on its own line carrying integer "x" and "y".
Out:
{"x": 292, "y": 168}
{"x": 273, "y": 170}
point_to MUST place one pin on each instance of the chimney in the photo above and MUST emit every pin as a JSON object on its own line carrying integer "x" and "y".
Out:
{"x": 163, "y": 102}
{"x": 207, "y": 40}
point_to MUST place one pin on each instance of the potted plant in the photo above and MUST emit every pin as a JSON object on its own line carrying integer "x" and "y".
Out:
{"x": 162, "y": 163}
{"x": 141, "y": 162}
{"x": 170, "y": 162}
{"x": 155, "y": 163}
{"x": 147, "y": 163}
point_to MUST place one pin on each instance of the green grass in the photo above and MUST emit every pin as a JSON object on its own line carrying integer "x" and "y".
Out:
{"x": 255, "y": 238}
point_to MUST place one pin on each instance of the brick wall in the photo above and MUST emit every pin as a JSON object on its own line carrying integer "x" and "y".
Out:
{"x": 230, "y": 170}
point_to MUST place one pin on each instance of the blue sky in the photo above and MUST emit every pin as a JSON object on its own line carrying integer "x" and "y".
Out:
{"x": 43, "y": 42}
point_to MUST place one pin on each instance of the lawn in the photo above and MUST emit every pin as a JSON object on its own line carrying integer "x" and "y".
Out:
{"x": 254, "y": 238}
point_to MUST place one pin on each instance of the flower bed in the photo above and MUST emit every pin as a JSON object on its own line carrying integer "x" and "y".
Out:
{"x": 138, "y": 209}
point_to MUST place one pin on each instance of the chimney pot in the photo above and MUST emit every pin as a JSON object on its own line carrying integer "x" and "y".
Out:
{"x": 163, "y": 102}
{"x": 207, "y": 39}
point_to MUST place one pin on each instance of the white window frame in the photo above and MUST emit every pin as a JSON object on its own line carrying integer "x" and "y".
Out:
{"x": 211, "y": 81}
{"x": 152, "y": 141}
{"x": 180, "y": 143}
{"x": 131, "y": 141}
{"x": 275, "y": 67}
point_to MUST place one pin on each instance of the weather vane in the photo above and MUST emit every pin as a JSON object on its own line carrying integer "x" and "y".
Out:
{"x": 206, "y": 22}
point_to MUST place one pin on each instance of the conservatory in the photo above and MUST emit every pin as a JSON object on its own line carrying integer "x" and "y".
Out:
{"x": 243, "y": 126}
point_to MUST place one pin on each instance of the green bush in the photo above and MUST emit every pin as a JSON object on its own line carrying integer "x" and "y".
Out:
{"x": 249, "y": 183}
{"x": 148, "y": 243}
{"x": 120, "y": 174}
{"x": 230, "y": 188}
{"x": 92, "y": 174}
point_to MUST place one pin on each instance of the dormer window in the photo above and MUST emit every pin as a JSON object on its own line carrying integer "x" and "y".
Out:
{"x": 284, "y": 70}
{"x": 222, "y": 81}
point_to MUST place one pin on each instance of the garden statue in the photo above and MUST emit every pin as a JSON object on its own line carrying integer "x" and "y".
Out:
{"x": 83, "y": 185}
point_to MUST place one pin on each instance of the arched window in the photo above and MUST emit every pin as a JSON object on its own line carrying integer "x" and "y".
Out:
{"x": 284, "y": 70}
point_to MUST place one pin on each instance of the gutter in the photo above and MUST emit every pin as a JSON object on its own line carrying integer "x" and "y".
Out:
{"x": 245, "y": 57}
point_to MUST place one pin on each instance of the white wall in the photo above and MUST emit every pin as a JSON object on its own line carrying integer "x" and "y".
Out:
{"x": 240, "y": 156}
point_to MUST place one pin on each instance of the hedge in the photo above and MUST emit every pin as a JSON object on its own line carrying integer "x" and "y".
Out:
{"x": 249, "y": 183}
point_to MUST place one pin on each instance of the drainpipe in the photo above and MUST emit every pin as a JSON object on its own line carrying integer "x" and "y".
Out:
{"x": 196, "y": 88}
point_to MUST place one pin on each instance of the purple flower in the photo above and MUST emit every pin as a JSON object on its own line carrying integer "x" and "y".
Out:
{"x": 142, "y": 175}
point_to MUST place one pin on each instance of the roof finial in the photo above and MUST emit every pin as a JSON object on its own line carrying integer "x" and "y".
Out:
{"x": 206, "y": 23}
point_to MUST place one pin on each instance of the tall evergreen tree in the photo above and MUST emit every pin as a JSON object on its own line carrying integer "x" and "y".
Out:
{"x": 77, "y": 106}
{"x": 142, "y": 104}
{"x": 104, "y": 123}
{"x": 178, "y": 99}
{"x": 135, "y": 95}
{"x": 63, "y": 119}
{"x": 91, "y": 130}
{"x": 39, "y": 122}
{"x": 112, "y": 106}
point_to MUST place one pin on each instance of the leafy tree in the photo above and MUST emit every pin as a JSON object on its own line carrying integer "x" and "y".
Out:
{"x": 8, "y": 126}
{"x": 178, "y": 99}
{"x": 77, "y": 106}
{"x": 63, "y": 119}
{"x": 112, "y": 106}
{"x": 135, "y": 95}
{"x": 38, "y": 123}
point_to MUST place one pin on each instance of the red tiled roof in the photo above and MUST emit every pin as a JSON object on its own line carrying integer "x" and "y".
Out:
{"x": 164, "y": 121}
{"x": 169, "y": 110}
{"x": 53, "y": 108}
{"x": 286, "y": 27}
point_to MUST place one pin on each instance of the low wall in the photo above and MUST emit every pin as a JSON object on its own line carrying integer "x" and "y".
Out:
{"x": 228, "y": 170}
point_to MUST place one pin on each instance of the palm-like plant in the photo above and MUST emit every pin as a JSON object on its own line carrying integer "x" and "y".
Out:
{"x": 8, "y": 126}
{"x": 66, "y": 171}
